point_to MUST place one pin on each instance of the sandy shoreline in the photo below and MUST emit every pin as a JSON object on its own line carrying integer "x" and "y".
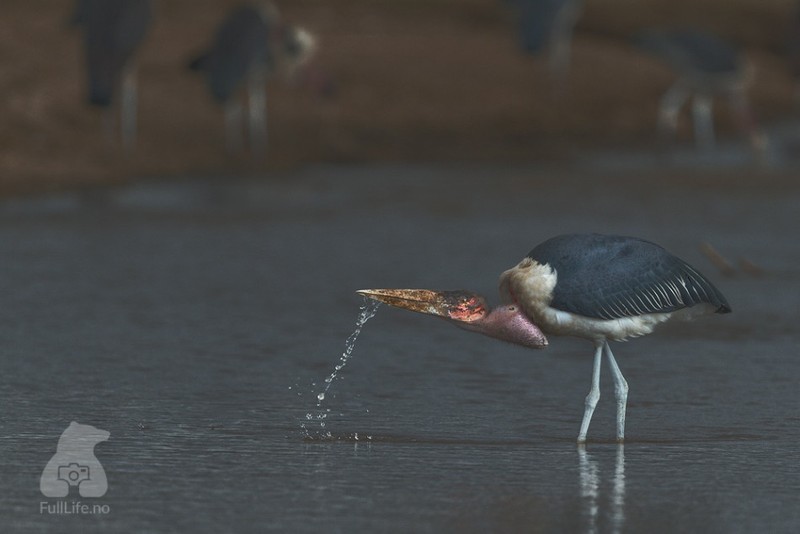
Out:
{"x": 438, "y": 81}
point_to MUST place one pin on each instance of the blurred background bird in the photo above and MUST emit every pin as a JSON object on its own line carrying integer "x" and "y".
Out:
{"x": 794, "y": 51}
{"x": 706, "y": 67}
{"x": 251, "y": 45}
{"x": 547, "y": 25}
{"x": 113, "y": 32}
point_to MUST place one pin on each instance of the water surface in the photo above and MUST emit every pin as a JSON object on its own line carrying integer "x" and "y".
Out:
{"x": 197, "y": 322}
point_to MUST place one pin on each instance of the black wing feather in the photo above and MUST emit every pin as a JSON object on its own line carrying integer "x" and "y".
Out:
{"x": 610, "y": 277}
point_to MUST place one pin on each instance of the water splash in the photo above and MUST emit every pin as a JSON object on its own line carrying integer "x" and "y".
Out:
{"x": 368, "y": 310}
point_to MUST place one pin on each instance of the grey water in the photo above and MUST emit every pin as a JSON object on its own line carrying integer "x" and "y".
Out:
{"x": 196, "y": 322}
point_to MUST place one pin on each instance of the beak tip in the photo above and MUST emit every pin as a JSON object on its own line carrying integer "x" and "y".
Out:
{"x": 370, "y": 293}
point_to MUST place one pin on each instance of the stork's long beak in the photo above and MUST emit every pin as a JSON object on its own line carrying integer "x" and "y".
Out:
{"x": 459, "y": 305}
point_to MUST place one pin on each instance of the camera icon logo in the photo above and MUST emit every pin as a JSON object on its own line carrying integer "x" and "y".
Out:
{"x": 74, "y": 465}
{"x": 73, "y": 474}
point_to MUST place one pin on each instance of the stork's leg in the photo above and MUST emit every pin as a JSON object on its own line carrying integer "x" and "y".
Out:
{"x": 233, "y": 126}
{"x": 669, "y": 107}
{"x": 128, "y": 108}
{"x": 559, "y": 58}
{"x": 594, "y": 393}
{"x": 257, "y": 111}
{"x": 703, "y": 121}
{"x": 110, "y": 121}
{"x": 561, "y": 44}
{"x": 620, "y": 392}
{"x": 747, "y": 122}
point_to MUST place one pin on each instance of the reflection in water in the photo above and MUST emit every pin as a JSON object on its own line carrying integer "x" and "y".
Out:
{"x": 590, "y": 485}
{"x": 618, "y": 492}
{"x": 589, "y": 480}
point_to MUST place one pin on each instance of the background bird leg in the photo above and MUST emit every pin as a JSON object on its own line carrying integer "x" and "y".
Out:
{"x": 703, "y": 121}
{"x": 669, "y": 107}
{"x": 110, "y": 120}
{"x": 233, "y": 126}
{"x": 746, "y": 121}
{"x": 257, "y": 111}
{"x": 128, "y": 106}
{"x": 561, "y": 45}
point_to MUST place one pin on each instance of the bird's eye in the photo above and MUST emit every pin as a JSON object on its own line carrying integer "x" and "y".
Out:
{"x": 512, "y": 308}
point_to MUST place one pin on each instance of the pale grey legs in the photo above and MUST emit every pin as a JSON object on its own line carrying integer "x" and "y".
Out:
{"x": 670, "y": 106}
{"x": 124, "y": 118}
{"x": 233, "y": 126}
{"x": 128, "y": 108}
{"x": 256, "y": 117}
{"x": 702, "y": 116}
{"x": 561, "y": 44}
{"x": 747, "y": 122}
{"x": 257, "y": 111}
{"x": 620, "y": 392}
{"x": 703, "y": 121}
{"x": 594, "y": 393}
{"x": 668, "y": 109}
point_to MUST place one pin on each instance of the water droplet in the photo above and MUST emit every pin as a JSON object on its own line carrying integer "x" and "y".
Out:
{"x": 367, "y": 311}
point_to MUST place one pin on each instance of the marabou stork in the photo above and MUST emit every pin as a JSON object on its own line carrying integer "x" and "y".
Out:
{"x": 598, "y": 287}
{"x": 548, "y": 25}
{"x": 113, "y": 32}
{"x": 706, "y": 67}
{"x": 250, "y": 44}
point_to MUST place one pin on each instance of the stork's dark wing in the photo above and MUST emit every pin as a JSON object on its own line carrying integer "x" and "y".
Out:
{"x": 609, "y": 277}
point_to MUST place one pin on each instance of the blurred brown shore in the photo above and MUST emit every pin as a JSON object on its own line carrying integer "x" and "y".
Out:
{"x": 418, "y": 81}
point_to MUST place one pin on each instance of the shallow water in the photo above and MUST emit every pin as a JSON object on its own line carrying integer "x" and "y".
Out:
{"x": 197, "y": 322}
